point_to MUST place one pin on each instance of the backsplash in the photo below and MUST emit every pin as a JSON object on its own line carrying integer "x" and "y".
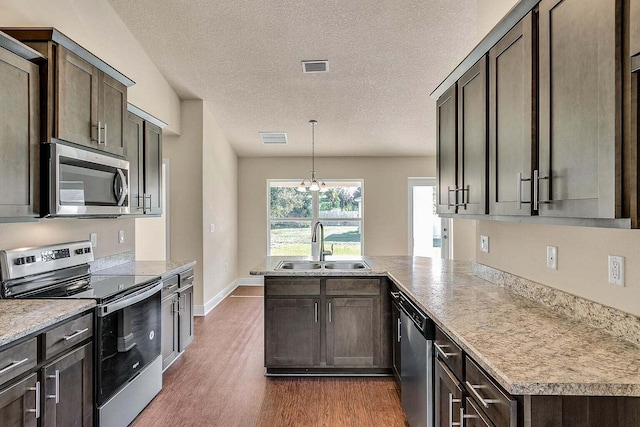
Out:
{"x": 112, "y": 260}
{"x": 611, "y": 320}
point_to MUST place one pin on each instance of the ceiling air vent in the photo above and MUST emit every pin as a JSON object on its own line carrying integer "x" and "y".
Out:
{"x": 273, "y": 137}
{"x": 321, "y": 66}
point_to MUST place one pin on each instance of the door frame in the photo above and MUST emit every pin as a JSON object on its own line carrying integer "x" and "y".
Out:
{"x": 445, "y": 223}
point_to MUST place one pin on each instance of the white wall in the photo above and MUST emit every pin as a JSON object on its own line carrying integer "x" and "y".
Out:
{"x": 385, "y": 199}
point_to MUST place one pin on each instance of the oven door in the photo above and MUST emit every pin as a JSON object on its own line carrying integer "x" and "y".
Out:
{"x": 129, "y": 339}
{"x": 83, "y": 182}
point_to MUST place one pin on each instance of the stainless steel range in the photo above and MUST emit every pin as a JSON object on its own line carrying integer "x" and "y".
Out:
{"x": 128, "y": 372}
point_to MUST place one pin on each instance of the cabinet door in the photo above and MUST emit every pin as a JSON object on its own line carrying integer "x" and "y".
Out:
{"x": 152, "y": 169}
{"x": 292, "y": 332}
{"x": 170, "y": 330}
{"x": 634, "y": 20}
{"x": 513, "y": 142}
{"x": 18, "y": 405}
{"x": 396, "y": 346}
{"x": 472, "y": 140}
{"x": 68, "y": 391}
{"x": 76, "y": 100}
{"x": 353, "y": 332}
{"x": 448, "y": 395}
{"x": 186, "y": 317}
{"x": 580, "y": 108}
{"x": 112, "y": 114}
{"x": 134, "y": 133}
{"x": 19, "y": 136}
{"x": 447, "y": 151}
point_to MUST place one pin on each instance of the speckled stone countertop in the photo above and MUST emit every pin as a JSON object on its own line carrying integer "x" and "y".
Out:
{"x": 19, "y": 318}
{"x": 163, "y": 269}
{"x": 528, "y": 348}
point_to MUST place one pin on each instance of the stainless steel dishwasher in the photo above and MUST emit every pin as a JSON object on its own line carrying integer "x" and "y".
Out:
{"x": 418, "y": 332}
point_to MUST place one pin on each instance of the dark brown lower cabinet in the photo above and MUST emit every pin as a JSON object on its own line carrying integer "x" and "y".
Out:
{"x": 353, "y": 331}
{"x": 68, "y": 390}
{"x": 170, "y": 325}
{"x": 292, "y": 332}
{"x": 18, "y": 405}
{"x": 185, "y": 317}
{"x": 448, "y": 396}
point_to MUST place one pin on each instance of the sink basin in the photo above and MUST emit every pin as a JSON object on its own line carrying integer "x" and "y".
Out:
{"x": 299, "y": 265}
{"x": 346, "y": 265}
{"x": 317, "y": 265}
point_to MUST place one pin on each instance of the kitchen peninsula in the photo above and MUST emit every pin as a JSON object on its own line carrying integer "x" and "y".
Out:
{"x": 537, "y": 354}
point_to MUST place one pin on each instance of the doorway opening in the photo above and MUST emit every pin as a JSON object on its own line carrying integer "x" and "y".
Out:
{"x": 428, "y": 233}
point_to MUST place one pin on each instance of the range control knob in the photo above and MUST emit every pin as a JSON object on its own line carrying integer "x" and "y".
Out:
{"x": 87, "y": 250}
{"x": 20, "y": 261}
{"x": 31, "y": 259}
{"x": 79, "y": 251}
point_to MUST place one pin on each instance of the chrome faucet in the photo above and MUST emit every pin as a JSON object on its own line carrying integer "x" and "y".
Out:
{"x": 314, "y": 239}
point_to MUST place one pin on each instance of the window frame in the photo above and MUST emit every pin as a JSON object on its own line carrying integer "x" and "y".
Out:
{"x": 315, "y": 210}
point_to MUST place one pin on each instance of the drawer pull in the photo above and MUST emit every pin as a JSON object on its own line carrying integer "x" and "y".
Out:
{"x": 465, "y": 417}
{"x": 399, "y": 330}
{"x": 440, "y": 349}
{"x": 37, "y": 390}
{"x": 451, "y": 402}
{"x": 14, "y": 364}
{"x": 485, "y": 402}
{"x": 315, "y": 311}
{"x": 172, "y": 286}
{"x": 75, "y": 334}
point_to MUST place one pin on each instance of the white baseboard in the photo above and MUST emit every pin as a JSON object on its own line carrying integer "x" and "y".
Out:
{"x": 251, "y": 281}
{"x": 203, "y": 310}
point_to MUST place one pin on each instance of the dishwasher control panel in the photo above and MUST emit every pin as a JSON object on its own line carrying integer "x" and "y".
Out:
{"x": 424, "y": 324}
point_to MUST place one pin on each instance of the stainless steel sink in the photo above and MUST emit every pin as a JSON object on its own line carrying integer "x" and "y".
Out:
{"x": 317, "y": 265}
{"x": 299, "y": 265}
{"x": 346, "y": 265}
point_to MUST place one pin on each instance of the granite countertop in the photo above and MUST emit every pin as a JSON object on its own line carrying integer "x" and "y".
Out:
{"x": 19, "y": 318}
{"x": 163, "y": 269}
{"x": 528, "y": 348}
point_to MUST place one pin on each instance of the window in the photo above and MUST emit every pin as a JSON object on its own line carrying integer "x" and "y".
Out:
{"x": 292, "y": 215}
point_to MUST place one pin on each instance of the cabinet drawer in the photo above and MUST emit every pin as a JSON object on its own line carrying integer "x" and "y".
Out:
{"x": 186, "y": 278}
{"x": 293, "y": 286}
{"x": 169, "y": 286}
{"x": 449, "y": 352}
{"x": 68, "y": 335}
{"x": 499, "y": 406}
{"x": 18, "y": 359}
{"x": 353, "y": 287}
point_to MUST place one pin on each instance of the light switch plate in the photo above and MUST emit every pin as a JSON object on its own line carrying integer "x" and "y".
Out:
{"x": 616, "y": 270}
{"x": 94, "y": 239}
{"x": 212, "y": 228}
{"x": 552, "y": 257}
{"x": 120, "y": 236}
{"x": 484, "y": 243}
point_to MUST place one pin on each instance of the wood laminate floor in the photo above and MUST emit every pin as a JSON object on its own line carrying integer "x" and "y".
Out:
{"x": 219, "y": 381}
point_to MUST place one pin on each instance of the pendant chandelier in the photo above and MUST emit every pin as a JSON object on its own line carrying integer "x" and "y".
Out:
{"x": 313, "y": 184}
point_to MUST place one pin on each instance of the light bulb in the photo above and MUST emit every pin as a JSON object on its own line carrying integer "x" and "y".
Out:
{"x": 323, "y": 187}
{"x": 314, "y": 186}
{"x": 301, "y": 187}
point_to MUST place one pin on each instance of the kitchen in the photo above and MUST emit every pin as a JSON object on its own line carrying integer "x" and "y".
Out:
{"x": 234, "y": 184}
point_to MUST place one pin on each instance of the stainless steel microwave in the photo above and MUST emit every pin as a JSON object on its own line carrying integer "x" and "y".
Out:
{"x": 79, "y": 182}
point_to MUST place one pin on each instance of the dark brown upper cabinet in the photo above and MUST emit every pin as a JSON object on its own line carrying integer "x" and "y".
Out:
{"x": 143, "y": 137}
{"x": 447, "y": 150}
{"x": 512, "y": 120}
{"x": 19, "y": 136}
{"x": 634, "y": 29}
{"x": 84, "y": 99}
{"x": 472, "y": 140}
{"x": 580, "y": 109}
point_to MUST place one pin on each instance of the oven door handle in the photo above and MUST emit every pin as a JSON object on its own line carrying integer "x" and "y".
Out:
{"x": 106, "y": 309}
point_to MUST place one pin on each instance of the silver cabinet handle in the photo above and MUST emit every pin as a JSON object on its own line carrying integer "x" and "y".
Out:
{"x": 175, "y": 308}
{"x": 465, "y": 417}
{"x": 399, "y": 330}
{"x": 99, "y": 140}
{"x": 105, "y": 134}
{"x": 13, "y": 365}
{"x": 395, "y": 295}
{"x": 75, "y": 334}
{"x": 172, "y": 287}
{"x": 440, "y": 349}
{"x": 449, "y": 190}
{"x": 451, "y": 402}
{"x": 472, "y": 389}
{"x": 315, "y": 311}
{"x": 519, "y": 190}
{"x": 37, "y": 390}
{"x": 536, "y": 187}
{"x": 57, "y": 395}
{"x": 329, "y": 312}
{"x": 182, "y": 302}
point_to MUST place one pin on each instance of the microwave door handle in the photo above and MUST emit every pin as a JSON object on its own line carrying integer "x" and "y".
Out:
{"x": 120, "y": 190}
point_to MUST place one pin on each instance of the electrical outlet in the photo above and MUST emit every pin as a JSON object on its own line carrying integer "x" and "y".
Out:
{"x": 120, "y": 236}
{"x": 552, "y": 257}
{"x": 212, "y": 228}
{"x": 94, "y": 239}
{"x": 616, "y": 270}
{"x": 484, "y": 243}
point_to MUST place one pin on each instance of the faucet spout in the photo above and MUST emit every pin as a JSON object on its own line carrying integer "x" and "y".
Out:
{"x": 314, "y": 239}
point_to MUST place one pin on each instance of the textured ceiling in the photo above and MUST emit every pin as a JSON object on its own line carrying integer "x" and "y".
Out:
{"x": 243, "y": 58}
